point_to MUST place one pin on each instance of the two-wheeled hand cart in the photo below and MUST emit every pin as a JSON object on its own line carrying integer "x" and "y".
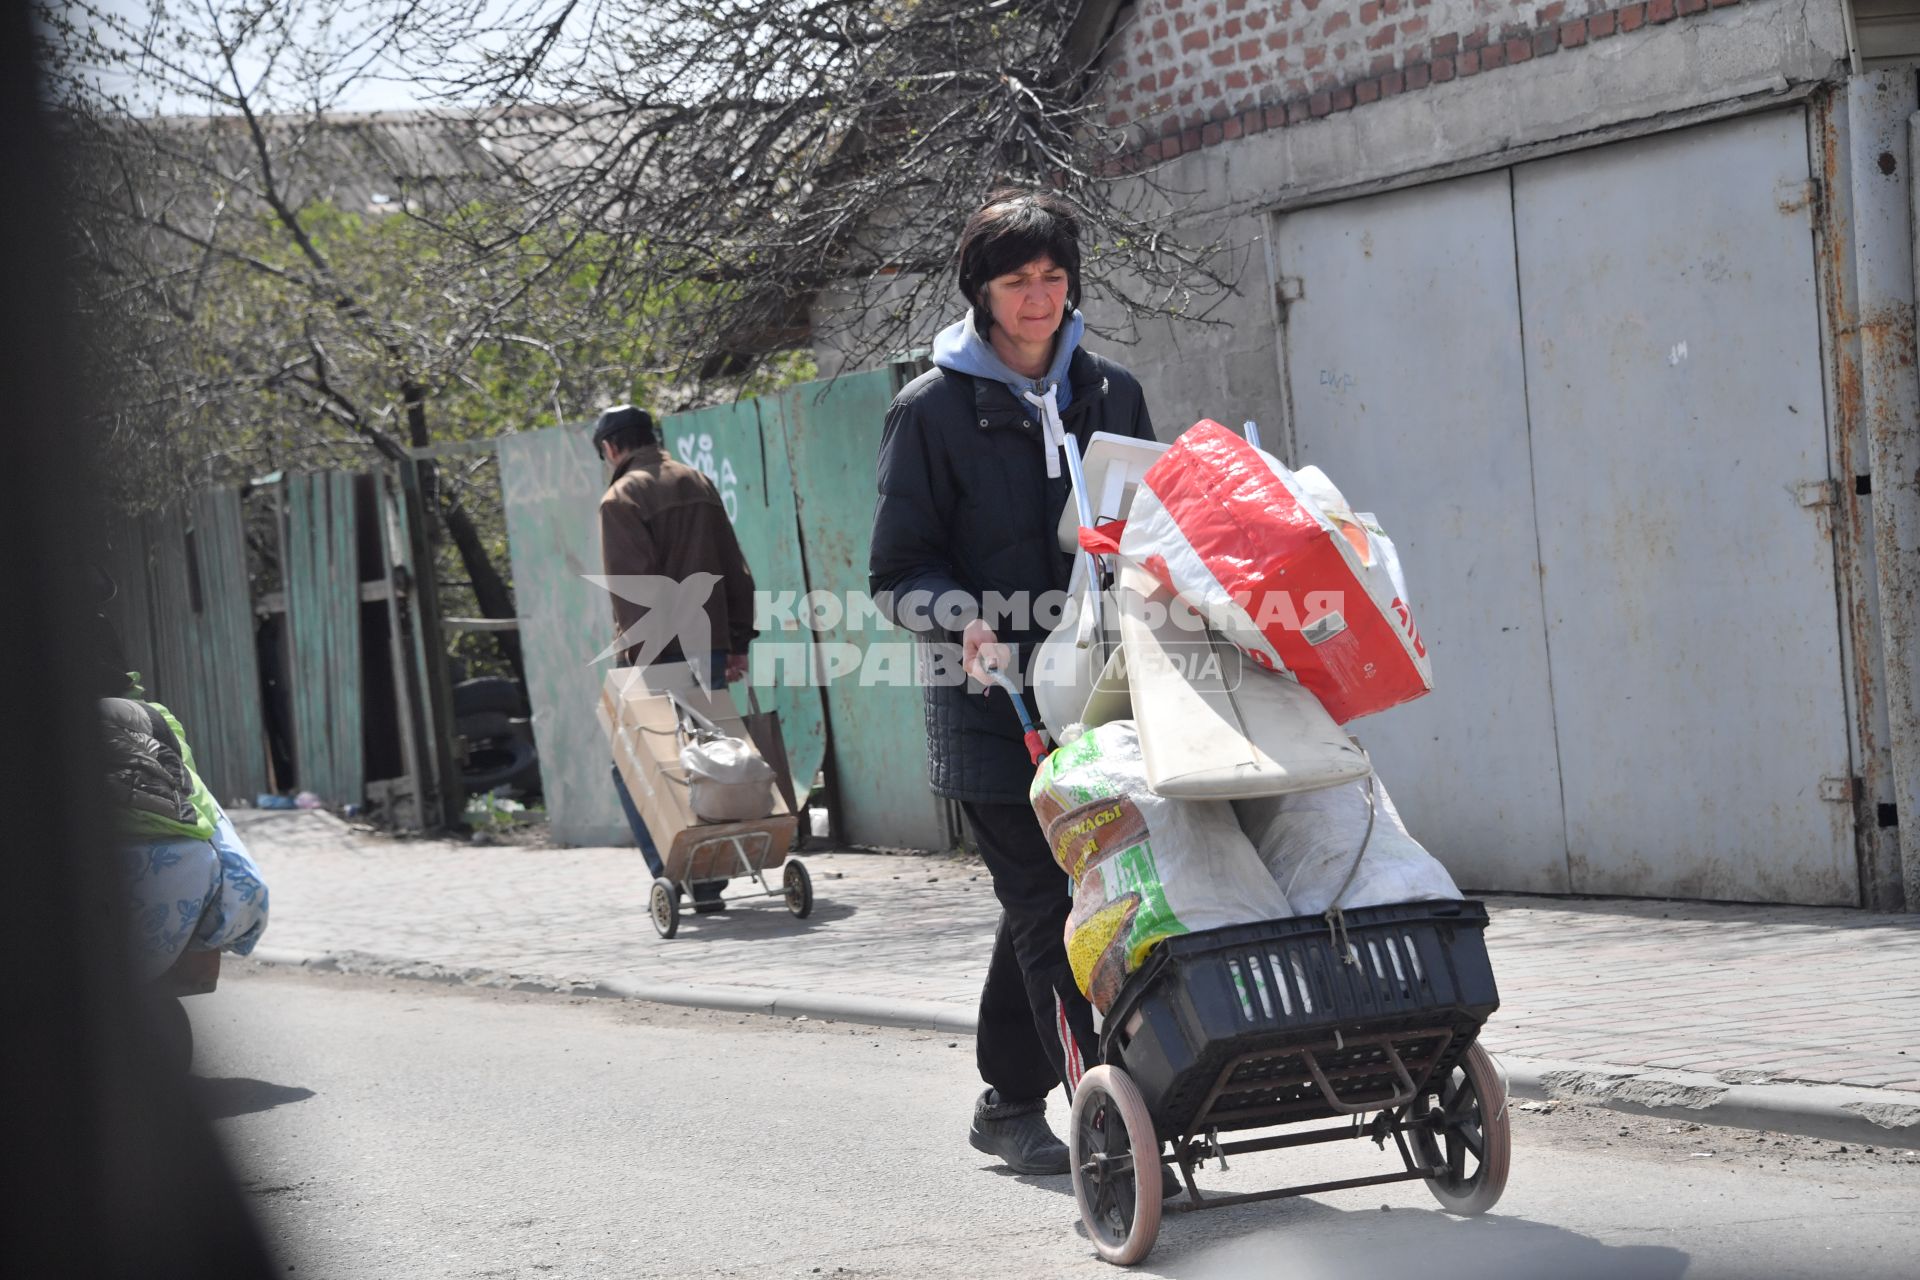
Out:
{"x": 716, "y": 853}
{"x": 1370, "y": 1020}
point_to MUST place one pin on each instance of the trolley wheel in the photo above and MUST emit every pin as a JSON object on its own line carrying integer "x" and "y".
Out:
{"x": 1461, "y": 1128}
{"x": 1111, "y": 1135}
{"x": 176, "y": 1034}
{"x": 664, "y": 907}
{"x": 798, "y": 882}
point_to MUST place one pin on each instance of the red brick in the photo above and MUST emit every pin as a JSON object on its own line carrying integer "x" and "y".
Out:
{"x": 1219, "y": 112}
{"x": 1633, "y": 17}
{"x": 1145, "y": 85}
{"x": 1183, "y": 22}
{"x": 1258, "y": 73}
{"x": 1320, "y": 104}
{"x": 1412, "y": 26}
{"x": 1235, "y": 80}
{"x": 1117, "y": 118}
{"x": 1257, "y": 21}
{"x": 1189, "y": 139}
{"x": 1691, "y": 6}
{"x": 1194, "y": 40}
{"x": 1168, "y": 76}
{"x": 1221, "y": 57}
{"x": 1721, "y": 4}
{"x": 1231, "y": 128}
{"x": 1256, "y": 120}
{"x": 1366, "y": 91}
{"x": 1340, "y": 20}
{"x": 1276, "y": 117}
{"x": 1659, "y": 11}
{"x": 1468, "y": 63}
{"x": 1442, "y": 70}
{"x": 1390, "y": 7}
{"x": 1413, "y": 53}
{"x": 1475, "y": 39}
{"x": 1170, "y": 148}
{"x": 1170, "y": 127}
{"x": 1211, "y": 134}
{"x": 1311, "y": 4}
{"x": 1600, "y": 25}
{"x": 1494, "y": 55}
{"x": 1392, "y": 83}
{"x": 1369, "y": 13}
{"x": 1573, "y": 34}
{"x": 1519, "y": 51}
{"x": 1160, "y": 29}
{"x": 1418, "y": 76}
{"x": 1446, "y": 46}
{"x": 1248, "y": 50}
{"x": 1230, "y": 28}
{"x": 1277, "y": 41}
{"x": 1551, "y": 13}
{"x": 1381, "y": 64}
{"x": 1315, "y": 56}
{"x": 1382, "y": 37}
{"x": 1343, "y": 98}
{"x": 1297, "y": 112}
{"x": 1545, "y": 42}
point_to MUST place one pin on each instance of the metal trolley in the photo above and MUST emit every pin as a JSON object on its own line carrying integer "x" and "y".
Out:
{"x": 720, "y": 852}
{"x": 1372, "y": 1021}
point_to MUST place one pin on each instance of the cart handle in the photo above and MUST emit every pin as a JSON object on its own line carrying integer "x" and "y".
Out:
{"x": 1408, "y": 1088}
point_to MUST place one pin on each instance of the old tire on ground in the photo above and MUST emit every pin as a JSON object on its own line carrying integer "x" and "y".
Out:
{"x": 1461, "y": 1128}
{"x": 489, "y": 693}
{"x": 798, "y": 882}
{"x": 1110, "y": 1133}
{"x": 663, "y": 906}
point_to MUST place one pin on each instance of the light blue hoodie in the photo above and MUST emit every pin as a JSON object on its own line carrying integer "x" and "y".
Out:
{"x": 960, "y": 347}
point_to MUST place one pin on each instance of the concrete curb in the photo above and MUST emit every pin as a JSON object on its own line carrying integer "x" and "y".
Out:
{"x": 1842, "y": 1113}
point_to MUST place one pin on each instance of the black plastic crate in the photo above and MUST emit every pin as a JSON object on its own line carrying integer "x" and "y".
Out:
{"x": 1220, "y": 1019}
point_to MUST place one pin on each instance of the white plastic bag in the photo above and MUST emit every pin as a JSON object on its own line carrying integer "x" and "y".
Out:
{"x": 727, "y": 781}
{"x": 1144, "y": 867}
{"x": 1308, "y": 841}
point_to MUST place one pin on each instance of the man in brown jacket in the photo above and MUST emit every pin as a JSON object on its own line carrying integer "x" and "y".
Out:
{"x": 665, "y": 540}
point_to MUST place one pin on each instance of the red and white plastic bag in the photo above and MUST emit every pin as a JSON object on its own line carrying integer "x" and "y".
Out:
{"x": 1280, "y": 564}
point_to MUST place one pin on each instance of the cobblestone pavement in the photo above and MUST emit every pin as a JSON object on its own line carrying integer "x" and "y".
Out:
{"x": 1750, "y": 994}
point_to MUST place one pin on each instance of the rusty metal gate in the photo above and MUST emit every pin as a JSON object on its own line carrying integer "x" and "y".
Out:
{"x": 1586, "y": 395}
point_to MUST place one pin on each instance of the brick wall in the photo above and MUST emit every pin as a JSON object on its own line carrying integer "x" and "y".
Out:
{"x": 1195, "y": 73}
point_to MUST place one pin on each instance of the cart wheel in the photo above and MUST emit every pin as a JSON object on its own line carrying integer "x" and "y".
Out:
{"x": 176, "y": 1034}
{"x": 1461, "y": 1128}
{"x": 1111, "y": 1133}
{"x": 798, "y": 882}
{"x": 665, "y": 908}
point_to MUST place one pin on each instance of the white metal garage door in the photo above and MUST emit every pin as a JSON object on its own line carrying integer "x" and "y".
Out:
{"x": 1586, "y": 394}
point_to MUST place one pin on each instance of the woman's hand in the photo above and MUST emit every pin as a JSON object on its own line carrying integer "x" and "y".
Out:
{"x": 980, "y": 648}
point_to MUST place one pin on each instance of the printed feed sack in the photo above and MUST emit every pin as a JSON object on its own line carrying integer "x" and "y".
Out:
{"x": 1144, "y": 867}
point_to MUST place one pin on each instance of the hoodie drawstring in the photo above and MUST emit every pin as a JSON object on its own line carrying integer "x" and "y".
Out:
{"x": 1053, "y": 429}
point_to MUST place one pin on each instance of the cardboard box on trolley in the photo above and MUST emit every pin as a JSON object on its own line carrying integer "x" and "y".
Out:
{"x": 638, "y": 712}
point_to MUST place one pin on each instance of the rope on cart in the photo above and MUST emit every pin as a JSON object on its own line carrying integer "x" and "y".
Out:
{"x": 1336, "y": 918}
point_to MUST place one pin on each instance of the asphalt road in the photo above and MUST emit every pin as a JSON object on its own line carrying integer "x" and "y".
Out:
{"x": 392, "y": 1129}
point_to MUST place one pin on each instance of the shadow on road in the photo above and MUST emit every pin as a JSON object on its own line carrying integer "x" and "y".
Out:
{"x": 228, "y": 1096}
{"x": 760, "y": 918}
{"x": 1323, "y": 1243}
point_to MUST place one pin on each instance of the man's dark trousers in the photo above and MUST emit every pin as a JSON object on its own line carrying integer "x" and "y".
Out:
{"x": 1036, "y": 1029}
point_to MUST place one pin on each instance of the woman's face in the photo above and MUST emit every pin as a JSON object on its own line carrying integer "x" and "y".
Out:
{"x": 1028, "y": 302}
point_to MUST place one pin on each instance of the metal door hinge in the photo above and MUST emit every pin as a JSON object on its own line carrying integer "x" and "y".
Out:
{"x": 1817, "y": 493}
{"x": 1287, "y": 290}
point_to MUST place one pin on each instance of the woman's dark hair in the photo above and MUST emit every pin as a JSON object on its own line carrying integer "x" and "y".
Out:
{"x": 1011, "y": 229}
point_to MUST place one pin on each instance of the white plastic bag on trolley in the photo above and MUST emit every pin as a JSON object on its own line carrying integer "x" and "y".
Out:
{"x": 1309, "y": 840}
{"x": 1144, "y": 867}
{"x": 1280, "y": 563}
